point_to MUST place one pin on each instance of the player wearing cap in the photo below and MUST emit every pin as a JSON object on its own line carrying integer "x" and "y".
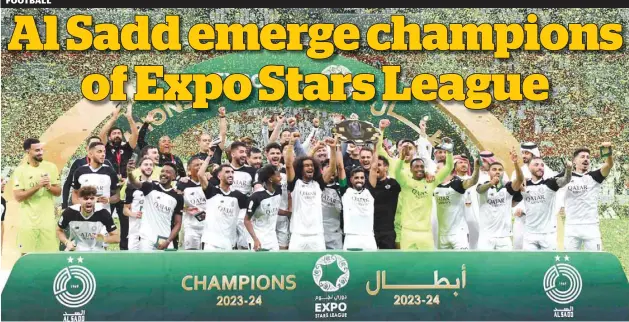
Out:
{"x": 582, "y": 225}
{"x": 539, "y": 196}
{"x": 529, "y": 151}
{"x": 85, "y": 224}
{"x": 495, "y": 202}
{"x": 450, "y": 196}
{"x": 263, "y": 210}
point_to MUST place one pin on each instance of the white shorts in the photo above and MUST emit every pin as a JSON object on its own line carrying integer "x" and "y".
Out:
{"x": 518, "y": 232}
{"x": 134, "y": 242}
{"x": 192, "y": 238}
{"x": 333, "y": 240}
{"x": 547, "y": 241}
{"x": 458, "y": 241}
{"x": 282, "y": 230}
{"x": 586, "y": 236}
{"x": 243, "y": 235}
{"x": 212, "y": 248}
{"x": 360, "y": 242}
{"x": 306, "y": 242}
{"x": 149, "y": 245}
{"x": 495, "y": 243}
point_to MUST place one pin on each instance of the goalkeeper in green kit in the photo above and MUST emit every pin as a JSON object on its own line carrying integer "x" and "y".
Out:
{"x": 416, "y": 233}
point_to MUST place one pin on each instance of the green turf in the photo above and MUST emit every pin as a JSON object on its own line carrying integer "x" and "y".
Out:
{"x": 615, "y": 233}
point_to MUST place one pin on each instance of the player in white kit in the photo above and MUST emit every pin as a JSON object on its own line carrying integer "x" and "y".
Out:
{"x": 162, "y": 208}
{"x": 358, "y": 209}
{"x": 221, "y": 209}
{"x": 263, "y": 209}
{"x": 581, "y": 203}
{"x": 274, "y": 157}
{"x": 495, "y": 202}
{"x": 243, "y": 181}
{"x": 450, "y": 198}
{"x": 529, "y": 151}
{"x": 539, "y": 197}
{"x": 134, "y": 204}
{"x": 194, "y": 206}
{"x": 306, "y": 183}
{"x": 84, "y": 221}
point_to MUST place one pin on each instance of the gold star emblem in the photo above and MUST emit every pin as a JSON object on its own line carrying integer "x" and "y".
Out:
{"x": 456, "y": 294}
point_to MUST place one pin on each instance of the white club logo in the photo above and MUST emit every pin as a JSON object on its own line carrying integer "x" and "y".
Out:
{"x": 74, "y": 286}
{"x": 562, "y": 283}
{"x": 327, "y": 260}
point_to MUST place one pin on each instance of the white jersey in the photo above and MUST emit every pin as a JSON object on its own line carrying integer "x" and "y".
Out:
{"x": 263, "y": 211}
{"x": 194, "y": 202}
{"x": 539, "y": 200}
{"x": 284, "y": 199}
{"x": 104, "y": 179}
{"x": 83, "y": 230}
{"x": 450, "y": 206}
{"x": 160, "y": 206}
{"x": 244, "y": 179}
{"x": 332, "y": 207}
{"x": 358, "y": 209}
{"x": 221, "y": 217}
{"x": 307, "y": 217}
{"x": 495, "y": 211}
{"x": 137, "y": 205}
{"x": 581, "y": 201}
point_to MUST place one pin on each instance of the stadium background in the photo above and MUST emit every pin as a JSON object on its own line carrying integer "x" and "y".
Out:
{"x": 589, "y": 101}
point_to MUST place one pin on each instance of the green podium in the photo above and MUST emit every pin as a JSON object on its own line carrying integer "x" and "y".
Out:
{"x": 272, "y": 286}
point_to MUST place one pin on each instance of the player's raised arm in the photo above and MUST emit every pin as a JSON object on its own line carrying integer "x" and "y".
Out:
{"x": 516, "y": 184}
{"x": 331, "y": 170}
{"x": 201, "y": 172}
{"x": 373, "y": 171}
{"x": 131, "y": 179}
{"x": 289, "y": 158}
{"x": 468, "y": 183}
{"x": 105, "y": 130}
{"x": 609, "y": 162}
{"x": 222, "y": 127}
{"x": 133, "y": 139}
{"x": 567, "y": 175}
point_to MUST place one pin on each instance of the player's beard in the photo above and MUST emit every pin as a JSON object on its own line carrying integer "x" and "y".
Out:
{"x": 148, "y": 174}
{"x": 117, "y": 141}
{"x": 39, "y": 158}
{"x": 359, "y": 186}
